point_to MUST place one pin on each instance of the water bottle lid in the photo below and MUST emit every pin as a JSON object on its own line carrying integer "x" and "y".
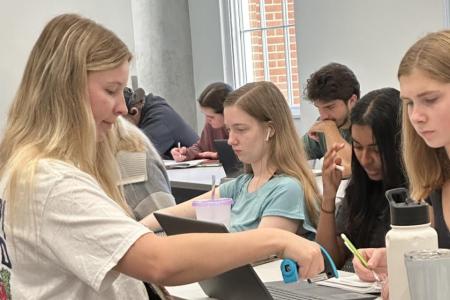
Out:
{"x": 404, "y": 210}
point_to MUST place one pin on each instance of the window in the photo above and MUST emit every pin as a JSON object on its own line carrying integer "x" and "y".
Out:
{"x": 264, "y": 46}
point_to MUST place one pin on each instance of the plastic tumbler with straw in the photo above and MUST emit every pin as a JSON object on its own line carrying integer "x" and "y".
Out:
{"x": 213, "y": 210}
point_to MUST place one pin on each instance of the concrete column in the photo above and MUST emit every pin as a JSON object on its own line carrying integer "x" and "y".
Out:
{"x": 163, "y": 53}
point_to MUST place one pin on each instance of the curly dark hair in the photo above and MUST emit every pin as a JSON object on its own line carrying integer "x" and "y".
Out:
{"x": 331, "y": 82}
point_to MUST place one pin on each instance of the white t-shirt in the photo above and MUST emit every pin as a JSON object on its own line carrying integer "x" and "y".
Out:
{"x": 80, "y": 235}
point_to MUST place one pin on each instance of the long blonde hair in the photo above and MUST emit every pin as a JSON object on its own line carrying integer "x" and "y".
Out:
{"x": 265, "y": 102}
{"x": 427, "y": 167}
{"x": 51, "y": 117}
{"x": 128, "y": 137}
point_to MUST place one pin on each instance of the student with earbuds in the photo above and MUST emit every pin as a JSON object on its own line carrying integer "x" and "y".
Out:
{"x": 278, "y": 188}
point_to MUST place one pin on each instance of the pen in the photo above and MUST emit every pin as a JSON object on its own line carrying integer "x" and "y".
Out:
{"x": 339, "y": 168}
{"x": 213, "y": 186}
{"x": 179, "y": 146}
{"x": 353, "y": 250}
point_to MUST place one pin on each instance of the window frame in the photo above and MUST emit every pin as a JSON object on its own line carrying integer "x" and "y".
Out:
{"x": 234, "y": 45}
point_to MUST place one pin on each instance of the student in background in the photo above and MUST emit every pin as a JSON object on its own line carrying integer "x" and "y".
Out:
{"x": 164, "y": 127}
{"x": 211, "y": 104}
{"x": 67, "y": 232}
{"x": 333, "y": 89}
{"x": 278, "y": 188}
{"x": 143, "y": 175}
{"x": 376, "y": 167}
{"x": 424, "y": 75}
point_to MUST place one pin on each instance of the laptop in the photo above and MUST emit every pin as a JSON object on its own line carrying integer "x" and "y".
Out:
{"x": 231, "y": 164}
{"x": 243, "y": 283}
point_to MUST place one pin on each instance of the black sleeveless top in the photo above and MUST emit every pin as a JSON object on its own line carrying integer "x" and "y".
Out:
{"x": 435, "y": 200}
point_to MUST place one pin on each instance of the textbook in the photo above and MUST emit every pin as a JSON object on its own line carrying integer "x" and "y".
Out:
{"x": 171, "y": 164}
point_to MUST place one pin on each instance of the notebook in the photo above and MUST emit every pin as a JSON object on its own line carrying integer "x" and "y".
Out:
{"x": 171, "y": 164}
{"x": 351, "y": 282}
{"x": 231, "y": 164}
{"x": 243, "y": 283}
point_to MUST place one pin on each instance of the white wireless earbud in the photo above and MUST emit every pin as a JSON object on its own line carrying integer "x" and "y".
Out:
{"x": 268, "y": 135}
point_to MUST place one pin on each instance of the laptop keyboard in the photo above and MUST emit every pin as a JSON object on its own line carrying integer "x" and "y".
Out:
{"x": 281, "y": 294}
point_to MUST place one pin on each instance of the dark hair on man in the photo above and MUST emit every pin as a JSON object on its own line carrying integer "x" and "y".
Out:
{"x": 214, "y": 95}
{"x": 331, "y": 82}
{"x": 379, "y": 110}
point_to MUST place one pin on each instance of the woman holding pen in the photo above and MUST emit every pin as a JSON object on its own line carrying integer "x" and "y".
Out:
{"x": 211, "y": 104}
{"x": 424, "y": 76}
{"x": 376, "y": 167}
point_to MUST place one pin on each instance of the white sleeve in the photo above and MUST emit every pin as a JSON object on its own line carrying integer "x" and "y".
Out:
{"x": 84, "y": 231}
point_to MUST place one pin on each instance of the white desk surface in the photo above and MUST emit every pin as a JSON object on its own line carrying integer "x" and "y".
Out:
{"x": 267, "y": 272}
{"x": 195, "y": 178}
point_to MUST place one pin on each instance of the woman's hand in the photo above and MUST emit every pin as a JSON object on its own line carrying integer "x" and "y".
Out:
{"x": 306, "y": 253}
{"x": 377, "y": 268}
{"x": 377, "y": 262}
{"x": 179, "y": 154}
{"x": 208, "y": 154}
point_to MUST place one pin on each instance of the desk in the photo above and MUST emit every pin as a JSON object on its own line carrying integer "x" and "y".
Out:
{"x": 267, "y": 272}
{"x": 197, "y": 178}
{"x": 191, "y": 182}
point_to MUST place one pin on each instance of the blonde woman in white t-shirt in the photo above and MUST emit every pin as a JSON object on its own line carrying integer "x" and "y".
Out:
{"x": 68, "y": 233}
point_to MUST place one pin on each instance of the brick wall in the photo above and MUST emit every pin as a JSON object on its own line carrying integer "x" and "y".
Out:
{"x": 275, "y": 45}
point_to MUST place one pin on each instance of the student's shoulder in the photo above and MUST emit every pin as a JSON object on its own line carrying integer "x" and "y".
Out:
{"x": 238, "y": 181}
{"x": 286, "y": 182}
{"x": 55, "y": 166}
{"x": 242, "y": 178}
{"x": 53, "y": 170}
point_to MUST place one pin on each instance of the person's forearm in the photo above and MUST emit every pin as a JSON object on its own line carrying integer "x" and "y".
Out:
{"x": 193, "y": 151}
{"x": 200, "y": 146}
{"x": 184, "y": 210}
{"x": 204, "y": 263}
{"x": 182, "y": 259}
{"x": 326, "y": 231}
{"x": 334, "y": 137}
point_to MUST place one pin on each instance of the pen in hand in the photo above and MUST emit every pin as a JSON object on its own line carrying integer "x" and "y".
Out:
{"x": 179, "y": 150}
{"x": 339, "y": 168}
{"x": 358, "y": 255}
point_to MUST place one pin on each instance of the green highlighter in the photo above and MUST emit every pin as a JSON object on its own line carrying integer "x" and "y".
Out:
{"x": 353, "y": 250}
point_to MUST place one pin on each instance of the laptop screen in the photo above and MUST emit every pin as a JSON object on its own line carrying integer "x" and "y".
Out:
{"x": 231, "y": 164}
